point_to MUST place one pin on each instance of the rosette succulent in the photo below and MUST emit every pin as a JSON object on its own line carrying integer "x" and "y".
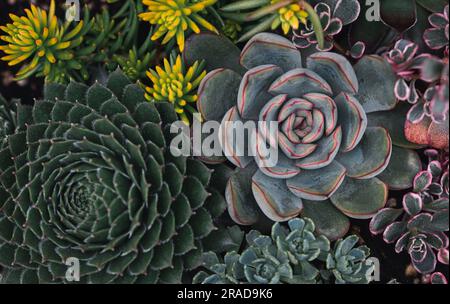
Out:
{"x": 332, "y": 137}
{"x": 419, "y": 226}
{"x": 295, "y": 248}
{"x": 88, "y": 175}
{"x": 302, "y": 246}
{"x": 264, "y": 262}
{"x": 348, "y": 264}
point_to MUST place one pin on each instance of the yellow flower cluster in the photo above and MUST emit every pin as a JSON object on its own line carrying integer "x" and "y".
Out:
{"x": 39, "y": 38}
{"x": 172, "y": 83}
{"x": 289, "y": 17}
{"x": 174, "y": 17}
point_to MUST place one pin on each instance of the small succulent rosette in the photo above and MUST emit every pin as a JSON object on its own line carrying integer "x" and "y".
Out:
{"x": 336, "y": 128}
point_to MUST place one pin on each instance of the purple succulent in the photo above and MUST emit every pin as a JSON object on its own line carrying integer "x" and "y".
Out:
{"x": 406, "y": 65}
{"x": 419, "y": 226}
{"x": 437, "y": 37}
{"x": 334, "y": 15}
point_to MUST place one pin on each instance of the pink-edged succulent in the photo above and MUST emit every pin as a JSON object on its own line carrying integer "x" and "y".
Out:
{"x": 334, "y": 145}
{"x": 436, "y": 278}
{"x": 437, "y": 37}
{"x": 334, "y": 15}
{"x": 420, "y": 226}
{"x": 427, "y": 119}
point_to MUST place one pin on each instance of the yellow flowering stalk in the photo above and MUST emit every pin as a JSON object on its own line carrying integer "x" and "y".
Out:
{"x": 174, "y": 17}
{"x": 289, "y": 16}
{"x": 175, "y": 84}
{"x": 40, "y": 43}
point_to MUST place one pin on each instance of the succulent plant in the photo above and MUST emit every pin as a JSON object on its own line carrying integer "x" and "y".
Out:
{"x": 271, "y": 14}
{"x": 176, "y": 84}
{"x": 48, "y": 48}
{"x": 88, "y": 175}
{"x": 136, "y": 64}
{"x": 231, "y": 29}
{"x": 348, "y": 264}
{"x": 406, "y": 65}
{"x": 8, "y": 121}
{"x": 302, "y": 246}
{"x": 438, "y": 278}
{"x": 264, "y": 262}
{"x": 173, "y": 18}
{"x": 419, "y": 226}
{"x": 333, "y": 16}
{"x": 332, "y": 136}
{"x": 292, "y": 255}
{"x": 426, "y": 119}
{"x": 437, "y": 37}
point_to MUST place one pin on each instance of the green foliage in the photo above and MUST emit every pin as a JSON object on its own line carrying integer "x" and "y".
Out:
{"x": 293, "y": 255}
{"x": 88, "y": 174}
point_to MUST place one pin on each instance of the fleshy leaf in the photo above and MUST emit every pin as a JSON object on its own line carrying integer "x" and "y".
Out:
{"x": 336, "y": 70}
{"x": 376, "y": 84}
{"x": 360, "y": 199}
{"x": 317, "y": 185}
{"x": 267, "y": 48}
{"x": 217, "y": 93}
{"x": 402, "y": 168}
{"x": 329, "y": 220}
{"x": 274, "y": 198}
{"x": 370, "y": 157}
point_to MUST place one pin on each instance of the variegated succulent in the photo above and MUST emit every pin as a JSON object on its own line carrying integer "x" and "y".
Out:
{"x": 419, "y": 226}
{"x": 333, "y": 138}
{"x": 334, "y": 15}
{"x": 88, "y": 175}
{"x": 427, "y": 119}
{"x": 437, "y": 37}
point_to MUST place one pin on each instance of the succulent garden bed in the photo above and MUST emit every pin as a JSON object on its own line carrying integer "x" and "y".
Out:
{"x": 357, "y": 95}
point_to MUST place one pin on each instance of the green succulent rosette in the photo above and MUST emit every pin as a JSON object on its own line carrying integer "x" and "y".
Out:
{"x": 89, "y": 175}
{"x": 340, "y": 137}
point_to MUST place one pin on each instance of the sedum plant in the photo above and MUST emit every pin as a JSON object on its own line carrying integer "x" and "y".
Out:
{"x": 42, "y": 44}
{"x": 420, "y": 226}
{"x": 293, "y": 255}
{"x": 177, "y": 84}
{"x": 88, "y": 175}
{"x": 174, "y": 17}
{"x": 336, "y": 128}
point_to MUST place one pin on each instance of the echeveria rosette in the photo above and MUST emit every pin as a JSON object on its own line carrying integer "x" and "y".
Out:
{"x": 332, "y": 146}
{"x": 302, "y": 246}
{"x": 348, "y": 264}
{"x": 91, "y": 177}
{"x": 264, "y": 262}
